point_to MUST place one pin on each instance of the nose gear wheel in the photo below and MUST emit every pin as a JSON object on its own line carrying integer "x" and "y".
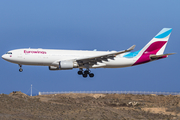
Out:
{"x": 20, "y": 69}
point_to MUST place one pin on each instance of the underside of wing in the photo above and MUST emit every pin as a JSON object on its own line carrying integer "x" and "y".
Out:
{"x": 93, "y": 60}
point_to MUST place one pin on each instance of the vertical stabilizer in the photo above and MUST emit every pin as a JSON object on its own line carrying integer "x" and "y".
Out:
{"x": 158, "y": 43}
{"x": 155, "y": 47}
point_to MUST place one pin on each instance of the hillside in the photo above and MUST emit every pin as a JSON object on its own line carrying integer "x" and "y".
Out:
{"x": 89, "y": 106}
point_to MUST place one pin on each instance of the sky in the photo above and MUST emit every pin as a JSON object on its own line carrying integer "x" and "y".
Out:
{"x": 88, "y": 25}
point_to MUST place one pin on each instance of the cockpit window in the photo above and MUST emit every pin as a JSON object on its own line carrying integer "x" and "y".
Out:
{"x": 9, "y": 53}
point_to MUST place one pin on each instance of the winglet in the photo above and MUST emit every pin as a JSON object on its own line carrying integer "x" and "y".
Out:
{"x": 131, "y": 48}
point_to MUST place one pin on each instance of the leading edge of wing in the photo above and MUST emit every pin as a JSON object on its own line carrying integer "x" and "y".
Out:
{"x": 112, "y": 54}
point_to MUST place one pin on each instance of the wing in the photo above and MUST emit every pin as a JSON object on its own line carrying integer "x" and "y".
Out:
{"x": 99, "y": 58}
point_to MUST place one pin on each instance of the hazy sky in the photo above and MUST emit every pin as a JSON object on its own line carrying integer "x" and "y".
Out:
{"x": 87, "y": 25}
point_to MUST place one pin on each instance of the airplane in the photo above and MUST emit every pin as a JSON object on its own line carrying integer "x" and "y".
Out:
{"x": 68, "y": 59}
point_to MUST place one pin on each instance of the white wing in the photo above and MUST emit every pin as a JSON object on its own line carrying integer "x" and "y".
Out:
{"x": 98, "y": 58}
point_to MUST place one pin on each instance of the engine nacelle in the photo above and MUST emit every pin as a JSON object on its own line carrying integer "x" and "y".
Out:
{"x": 53, "y": 68}
{"x": 64, "y": 65}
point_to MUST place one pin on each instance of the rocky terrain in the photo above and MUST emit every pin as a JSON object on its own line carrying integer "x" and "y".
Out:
{"x": 73, "y": 106}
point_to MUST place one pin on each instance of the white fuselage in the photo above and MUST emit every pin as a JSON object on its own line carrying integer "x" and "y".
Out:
{"x": 51, "y": 57}
{"x": 69, "y": 59}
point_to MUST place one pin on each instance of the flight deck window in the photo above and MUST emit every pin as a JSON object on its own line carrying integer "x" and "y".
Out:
{"x": 9, "y": 53}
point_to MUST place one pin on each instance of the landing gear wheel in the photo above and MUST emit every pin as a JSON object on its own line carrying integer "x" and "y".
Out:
{"x": 80, "y": 72}
{"x": 86, "y": 72}
{"x": 91, "y": 75}
{"x": 84, "y": 75}
{"x": 20, "y": 70}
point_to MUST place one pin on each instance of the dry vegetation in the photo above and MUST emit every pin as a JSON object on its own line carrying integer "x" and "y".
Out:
{"x": 89, "y": 107}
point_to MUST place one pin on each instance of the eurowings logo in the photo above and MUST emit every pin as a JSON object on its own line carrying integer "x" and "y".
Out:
{"x": 35, "y": 52}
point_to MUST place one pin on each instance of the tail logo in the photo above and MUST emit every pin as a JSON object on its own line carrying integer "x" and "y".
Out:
{"x": 155, "y": 47}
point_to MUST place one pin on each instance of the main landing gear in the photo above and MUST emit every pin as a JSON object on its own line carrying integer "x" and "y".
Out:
{"x": 20, "y": 69}
{"x": 85, "y": 73}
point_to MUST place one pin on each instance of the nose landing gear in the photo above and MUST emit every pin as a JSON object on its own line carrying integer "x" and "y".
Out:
{"x": 85, "y": 73}
{"x": 20, "y": 69}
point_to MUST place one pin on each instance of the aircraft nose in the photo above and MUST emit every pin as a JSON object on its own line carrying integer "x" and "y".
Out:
{"x": 3, "y": 56}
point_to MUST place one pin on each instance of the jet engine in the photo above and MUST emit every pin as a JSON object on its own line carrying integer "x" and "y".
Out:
{"x": 64, "y": 65}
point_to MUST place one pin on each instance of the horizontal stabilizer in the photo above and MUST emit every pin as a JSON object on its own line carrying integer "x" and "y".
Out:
{"x": 159, "y": 56}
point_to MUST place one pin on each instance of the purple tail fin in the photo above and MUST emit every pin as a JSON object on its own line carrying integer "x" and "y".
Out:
{"x": 155, "y": 47}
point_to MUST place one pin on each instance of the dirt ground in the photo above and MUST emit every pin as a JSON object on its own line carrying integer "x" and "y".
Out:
{"x": 73, "y": 106}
